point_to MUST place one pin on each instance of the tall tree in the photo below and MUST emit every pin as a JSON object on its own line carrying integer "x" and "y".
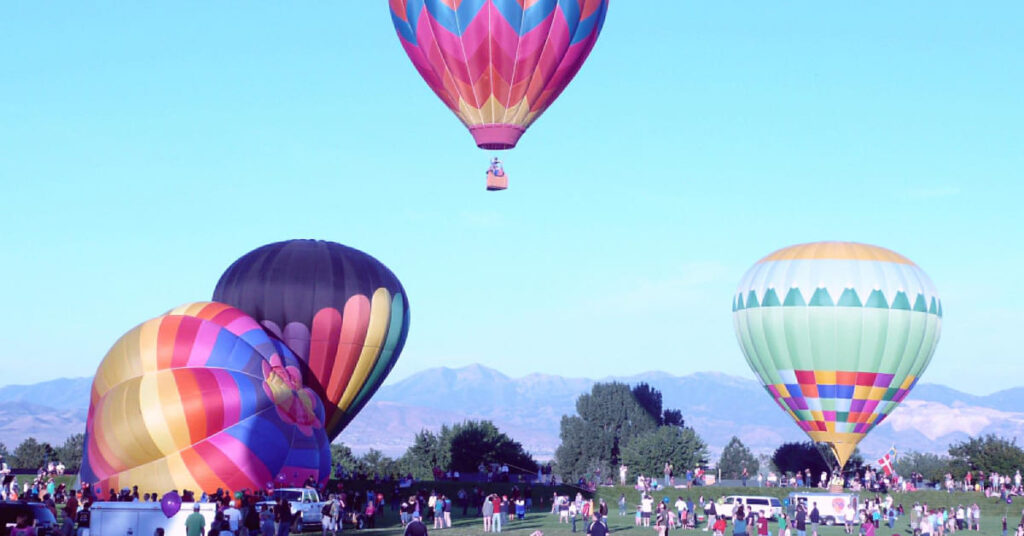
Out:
{"x": 428, "y": 450}
{"x": 70, "y": 452}
{"x": 649, "y": 398}
{"x": 793, "y": 457}
{"x": 736, "y": 457}
{"x": 987, "y": 454}
{"x": 648, "y": 453}
{"x": 342, "y": 454}
{"x": 375, "y": 462}
{"x": 31, "y": 454}
{"x": 474, "y": 442}
{"x": 606, "y": 420}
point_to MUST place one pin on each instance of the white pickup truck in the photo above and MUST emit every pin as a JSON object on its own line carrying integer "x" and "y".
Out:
{"x": 306, "y": 506}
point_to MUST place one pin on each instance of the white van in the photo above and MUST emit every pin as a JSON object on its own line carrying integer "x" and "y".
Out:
{"x": 142, "y": 518}
{"x": 831, "y": 506}
{"x": 763, "y": 506}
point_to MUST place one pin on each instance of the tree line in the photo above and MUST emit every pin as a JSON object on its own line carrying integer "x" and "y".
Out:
{"x": 33, "y": 454}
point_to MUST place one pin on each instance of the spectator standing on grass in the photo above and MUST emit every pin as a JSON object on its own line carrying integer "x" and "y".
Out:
{"x": 70, "y": 512}
{"x": 622, "y": 504}
{"x": 487, "y": 509}
{"x": 597, "y": 527}
{"x": 739, "y": 522}
{"x": 416, "y": 527}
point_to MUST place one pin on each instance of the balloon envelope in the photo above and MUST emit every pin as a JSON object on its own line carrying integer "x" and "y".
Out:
{"x": 498, "y": 64}
{"x": 170, "y": 503}
{"x": 200, "y": 399}
{"x": 340, "y": 310}
{"x": 838, "y": 334}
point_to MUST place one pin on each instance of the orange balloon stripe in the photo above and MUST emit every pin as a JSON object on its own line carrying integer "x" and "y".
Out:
{"x": 201, "y": 472}
{"x": 213, "y": 401}
{"x": 168, "y": 332}
{"x": 191, "y": 404}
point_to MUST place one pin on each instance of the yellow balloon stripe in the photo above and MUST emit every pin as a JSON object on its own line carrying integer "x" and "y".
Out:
{"x": 155, "y": 409}
{"x": 380, "y": 316}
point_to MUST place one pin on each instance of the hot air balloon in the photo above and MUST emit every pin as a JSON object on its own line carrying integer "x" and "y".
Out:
{"x": 498, "y": 64}
{"x": 340, "y": 310}
{"x": 202, "y": 398}
{"x": 838, "y": 333}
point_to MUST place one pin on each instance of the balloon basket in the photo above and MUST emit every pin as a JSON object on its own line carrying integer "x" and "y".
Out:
{"x": 835, "y": 488}
{"x": 496, "y": 182}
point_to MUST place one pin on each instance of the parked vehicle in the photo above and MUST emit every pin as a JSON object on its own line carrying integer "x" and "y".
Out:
{"x": 305, "y": 503}
{"x": 769, "y": 507}
{"x": 38, "y": 515}
{"x": 831, "y": 506}
{"x": 142, "y": 518}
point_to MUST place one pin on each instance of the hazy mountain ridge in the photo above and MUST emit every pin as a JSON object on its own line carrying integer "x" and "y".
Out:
{"x": 530, "y": 408}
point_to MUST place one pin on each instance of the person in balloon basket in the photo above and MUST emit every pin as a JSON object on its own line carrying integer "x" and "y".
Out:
{"x": 416, "y": 527}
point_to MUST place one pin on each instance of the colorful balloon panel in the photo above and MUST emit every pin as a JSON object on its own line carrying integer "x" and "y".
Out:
{"x": 201, "y": 398}
{"x": 498, "y": 64}
{"x": 838, "y": 333}
{"x": 340, "y": 310}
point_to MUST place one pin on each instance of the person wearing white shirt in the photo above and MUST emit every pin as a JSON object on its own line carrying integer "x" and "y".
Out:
{"x": 234, "y": 517}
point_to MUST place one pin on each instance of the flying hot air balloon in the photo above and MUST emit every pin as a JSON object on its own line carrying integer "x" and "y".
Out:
{"x": 498, "y": 64}
{"x": 202, "y": 398}
{"x": 838, "y": 333}
{"x": 340, "y": 310}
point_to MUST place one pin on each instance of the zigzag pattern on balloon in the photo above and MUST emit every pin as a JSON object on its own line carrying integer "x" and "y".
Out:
{"x": 498, "y": 61}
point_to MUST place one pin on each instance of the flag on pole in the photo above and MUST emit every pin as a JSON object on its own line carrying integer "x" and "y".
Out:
{"x": 886, "y": 463}
{"x": 892, "y": 452}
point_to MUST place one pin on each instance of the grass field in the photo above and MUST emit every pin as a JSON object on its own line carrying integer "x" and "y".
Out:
{"x": 992, "y": 512}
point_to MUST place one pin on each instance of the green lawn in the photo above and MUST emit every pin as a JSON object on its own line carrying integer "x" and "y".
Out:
{"x": 992, "y": 512}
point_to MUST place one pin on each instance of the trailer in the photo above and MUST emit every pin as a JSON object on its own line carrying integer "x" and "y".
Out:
{"x": 142, "y": 518}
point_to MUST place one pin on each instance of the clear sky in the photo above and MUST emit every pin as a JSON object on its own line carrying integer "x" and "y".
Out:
{"x": 145, "y": 146}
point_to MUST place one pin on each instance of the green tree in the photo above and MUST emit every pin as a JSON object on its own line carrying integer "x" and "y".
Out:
{"x": 986, "y": 454}
{"x": 31, "y": 454}
{"x": 735, "y": 457}
{"x": 375, "y": 462}
{"x": 340, "y": 453}
{"x": 933, "y": 467}
{"x": 474, "y": 442}
{"x": 649, "y": 398}
{"x": 3, "y": 450}
{"x": 606, "y": 420}
{"x": 793, "y": 457}
{"x": 70, "y": 453}
{"x": 648, "y": 453}
{"x": 428, "y": 450}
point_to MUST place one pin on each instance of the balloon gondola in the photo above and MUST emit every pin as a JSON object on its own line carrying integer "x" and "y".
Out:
{"x": 497, "y": 179}
{"x": 838, "y": 333}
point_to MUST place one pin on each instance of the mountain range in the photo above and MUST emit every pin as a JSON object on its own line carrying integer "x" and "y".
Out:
{"x": 529, "y": 409}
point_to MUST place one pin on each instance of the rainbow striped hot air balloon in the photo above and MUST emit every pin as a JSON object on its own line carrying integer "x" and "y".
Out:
{"x": 340, "y": 310}
{"x": 498, "y": 64}
{"x": 202, "y": 398}
{"x": 838, "y": 333}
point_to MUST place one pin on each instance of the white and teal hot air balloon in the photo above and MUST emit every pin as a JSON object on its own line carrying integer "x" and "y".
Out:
{"x": 838, "y": 333}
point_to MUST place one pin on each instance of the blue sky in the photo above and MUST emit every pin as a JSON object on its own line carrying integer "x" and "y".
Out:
{"x": 145, "y": 147}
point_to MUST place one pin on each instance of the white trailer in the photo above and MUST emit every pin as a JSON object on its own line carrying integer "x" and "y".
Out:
{"x": 142, "y": 518}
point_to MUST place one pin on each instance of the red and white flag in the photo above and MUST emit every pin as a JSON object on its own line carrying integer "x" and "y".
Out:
{"x": 886, "y": 463}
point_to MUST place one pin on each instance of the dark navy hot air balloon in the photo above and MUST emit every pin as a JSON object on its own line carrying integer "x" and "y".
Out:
{"x": 340, "y": 310}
